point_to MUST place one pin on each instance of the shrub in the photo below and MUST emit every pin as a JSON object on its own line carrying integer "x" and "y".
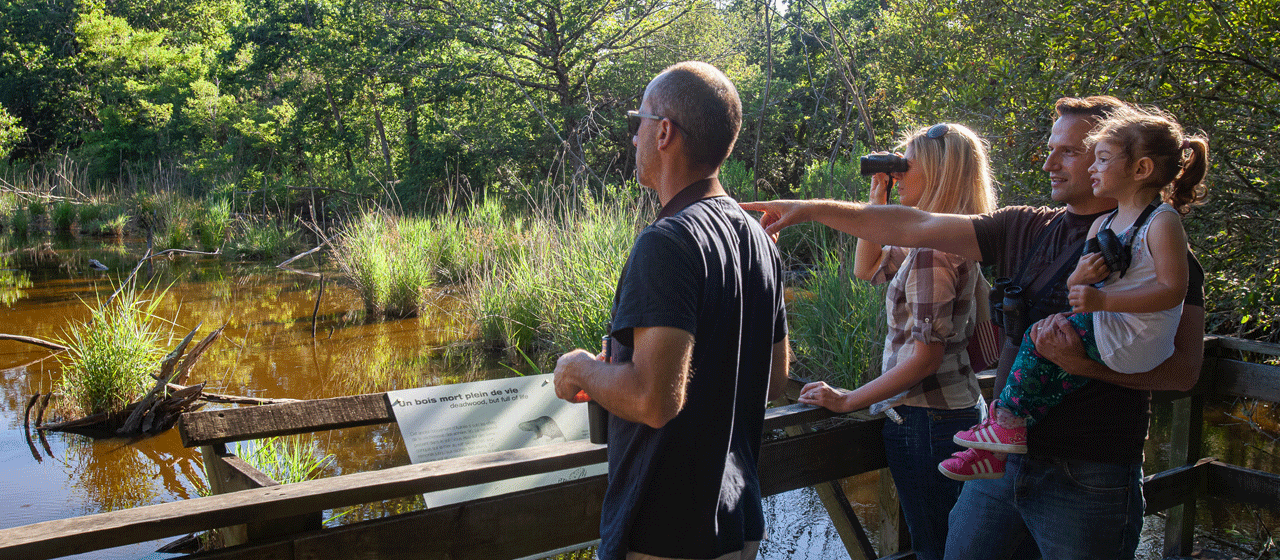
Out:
{"x": 64, "y": 216}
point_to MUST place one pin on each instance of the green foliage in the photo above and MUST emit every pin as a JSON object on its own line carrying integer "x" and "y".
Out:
{"x": 387, "y": 259}
{"x": 556, "y": 294}
{"x": 259, "y": 239}
{"x": 111, "y": 355}
{"x": 286, "y": 459}
{"x": 20, "y": 221}
{"x": 837, "y": 325}
{"x": 11, "y": 132}
{"x": 64, "y": 216}
{"x": 212, "y": 224}
{"x": 36, "y": 208}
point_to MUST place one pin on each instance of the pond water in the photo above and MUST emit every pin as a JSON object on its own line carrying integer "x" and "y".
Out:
{"x": 267, "y": 350}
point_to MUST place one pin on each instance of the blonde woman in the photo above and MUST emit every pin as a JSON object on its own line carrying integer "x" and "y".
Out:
{"x": 927, "y": 387}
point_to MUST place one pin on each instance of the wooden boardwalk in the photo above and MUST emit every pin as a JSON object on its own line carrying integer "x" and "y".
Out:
{"x": 265, "y": 520}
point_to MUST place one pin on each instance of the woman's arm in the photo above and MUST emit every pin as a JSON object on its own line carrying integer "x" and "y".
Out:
{"x": 867, "y": 256}
{"x": 924, "y": 361}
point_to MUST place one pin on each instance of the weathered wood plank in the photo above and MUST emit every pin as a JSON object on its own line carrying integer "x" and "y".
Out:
{"x": 514, "y": 526}
{"x": 794, "y": 414}
{"x": 51, "y": 539}
{"x": 1246, "y": 486}
{"x": 1166, "y": 489}
{"x": 1244, "y": 345}
{"x": 533, "y": 521}
{"x": 851, "y": 448}
{"x": 1243, "y": 379}
{"x": 237, "y": 424}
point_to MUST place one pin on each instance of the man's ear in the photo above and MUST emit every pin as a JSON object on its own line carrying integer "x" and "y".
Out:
{"x": 1143, "y": 168}
{"x": 666, "y": 133}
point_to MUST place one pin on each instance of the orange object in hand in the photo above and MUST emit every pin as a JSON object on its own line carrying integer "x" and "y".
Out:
{"x": 581, "y": 397}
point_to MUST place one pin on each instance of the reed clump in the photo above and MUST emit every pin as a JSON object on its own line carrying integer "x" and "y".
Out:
{"x": 286, "y": 459}
{"x": 837, "y": 325}
{"x": 556, "y": 290}
{"x": 112, "y": 354}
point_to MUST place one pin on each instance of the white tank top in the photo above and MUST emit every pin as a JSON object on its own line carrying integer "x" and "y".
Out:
{"x": 1136, "y": 342}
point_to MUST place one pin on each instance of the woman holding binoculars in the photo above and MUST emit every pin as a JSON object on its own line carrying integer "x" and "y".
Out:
{"x": 927, "y": 386}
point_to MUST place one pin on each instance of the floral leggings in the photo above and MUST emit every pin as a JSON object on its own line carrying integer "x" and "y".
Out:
{"x": 1035, "y": 384}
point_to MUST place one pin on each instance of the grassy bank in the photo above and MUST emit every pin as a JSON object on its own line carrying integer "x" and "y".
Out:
{"x": 539, "y": 282}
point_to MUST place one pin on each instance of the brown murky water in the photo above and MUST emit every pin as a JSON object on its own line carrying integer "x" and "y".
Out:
{"x": 267, "y": 350}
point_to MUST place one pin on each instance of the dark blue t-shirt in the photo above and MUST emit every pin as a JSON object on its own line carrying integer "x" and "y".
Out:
{"x": 690, "y": 489}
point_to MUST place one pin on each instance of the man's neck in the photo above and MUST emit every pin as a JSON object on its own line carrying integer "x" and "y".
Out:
{"x": 1092, "y": 206}
{"x": 673, "y": 183}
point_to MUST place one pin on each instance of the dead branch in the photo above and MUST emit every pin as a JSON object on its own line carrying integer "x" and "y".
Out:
{"x": 32, "y": 340}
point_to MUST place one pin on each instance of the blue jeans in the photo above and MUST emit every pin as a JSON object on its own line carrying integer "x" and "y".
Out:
{"x": 1069, "y": 509}
{"x": 914, "y": 449}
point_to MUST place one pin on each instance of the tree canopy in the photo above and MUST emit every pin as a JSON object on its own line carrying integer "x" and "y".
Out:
{"x": 426, "y": 99}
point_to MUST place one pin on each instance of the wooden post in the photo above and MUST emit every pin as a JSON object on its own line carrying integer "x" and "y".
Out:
{"x": 229, "y": 473}
{"x": 893, "y": 526}
{"x": 842, "y": 515}
{"x": 1186, "y": 444}
{"x": 220, "y": 482}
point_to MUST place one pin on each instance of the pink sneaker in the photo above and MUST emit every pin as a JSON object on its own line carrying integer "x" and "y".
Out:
{"x": 970, "y": 464}
{"x": 991, "y": 436}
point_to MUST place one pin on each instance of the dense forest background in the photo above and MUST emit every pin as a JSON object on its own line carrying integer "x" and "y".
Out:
{"x": 426, "y": 102}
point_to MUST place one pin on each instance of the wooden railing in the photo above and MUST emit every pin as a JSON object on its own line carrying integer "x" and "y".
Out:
{"x": 264, "y": 520}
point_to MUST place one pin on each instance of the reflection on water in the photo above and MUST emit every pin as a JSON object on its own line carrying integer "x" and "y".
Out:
{"x": 267, "y": 350}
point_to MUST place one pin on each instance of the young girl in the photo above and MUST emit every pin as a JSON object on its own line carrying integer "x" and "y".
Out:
{"x": 1140, "y": 157}
{"x": 927, "y": 382}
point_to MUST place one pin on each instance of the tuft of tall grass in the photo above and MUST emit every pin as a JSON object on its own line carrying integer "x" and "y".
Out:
{"x": 258, "y": 239}
{"x": 556, "y": 292}
{"x": 111, "y": 355}
{"x": 64, "y": 216}
{"x": 386, "y": 259}
{"x": 212, "y": 224}
{"x": 837, "y": 325}
{"x": 20, "y": 222}
{"x": 286, "y": 459}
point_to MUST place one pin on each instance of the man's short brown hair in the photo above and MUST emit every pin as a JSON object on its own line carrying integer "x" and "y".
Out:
{"x": 1097, "y": 107}
{"x": 703, "y": 103}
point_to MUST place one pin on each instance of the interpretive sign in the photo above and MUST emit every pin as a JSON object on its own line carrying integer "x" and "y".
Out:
{"x": 484, "y": 417}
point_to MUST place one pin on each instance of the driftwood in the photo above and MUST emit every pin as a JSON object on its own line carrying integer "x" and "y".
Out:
{"x": 32, "y": 340}
{"x": 160, "y": 408}
{"x": 155, "y": 412}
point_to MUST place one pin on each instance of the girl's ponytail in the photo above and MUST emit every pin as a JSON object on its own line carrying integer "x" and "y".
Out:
{"x": 1188, "y": 188}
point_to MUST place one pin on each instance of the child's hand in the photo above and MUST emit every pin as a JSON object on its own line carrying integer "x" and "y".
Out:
{"x": 1085, "y": 298}
{"x": 1090, "y": 269}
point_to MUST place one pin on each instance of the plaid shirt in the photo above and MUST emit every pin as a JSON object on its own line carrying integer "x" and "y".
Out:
{"x": 930, "y": 298}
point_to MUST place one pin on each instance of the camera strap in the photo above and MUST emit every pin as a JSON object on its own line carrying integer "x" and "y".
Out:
{"x": 1065, "y": 261}
{"x": 1127, "y": 246}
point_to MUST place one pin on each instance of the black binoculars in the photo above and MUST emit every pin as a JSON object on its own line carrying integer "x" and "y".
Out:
{"x": 1113, "y": 251}
{"x": 1009, "y": 308}
{"x": 882, "y": 163}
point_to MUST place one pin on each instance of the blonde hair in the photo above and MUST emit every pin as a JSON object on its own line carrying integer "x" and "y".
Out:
{"x": 956, "y": 171}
